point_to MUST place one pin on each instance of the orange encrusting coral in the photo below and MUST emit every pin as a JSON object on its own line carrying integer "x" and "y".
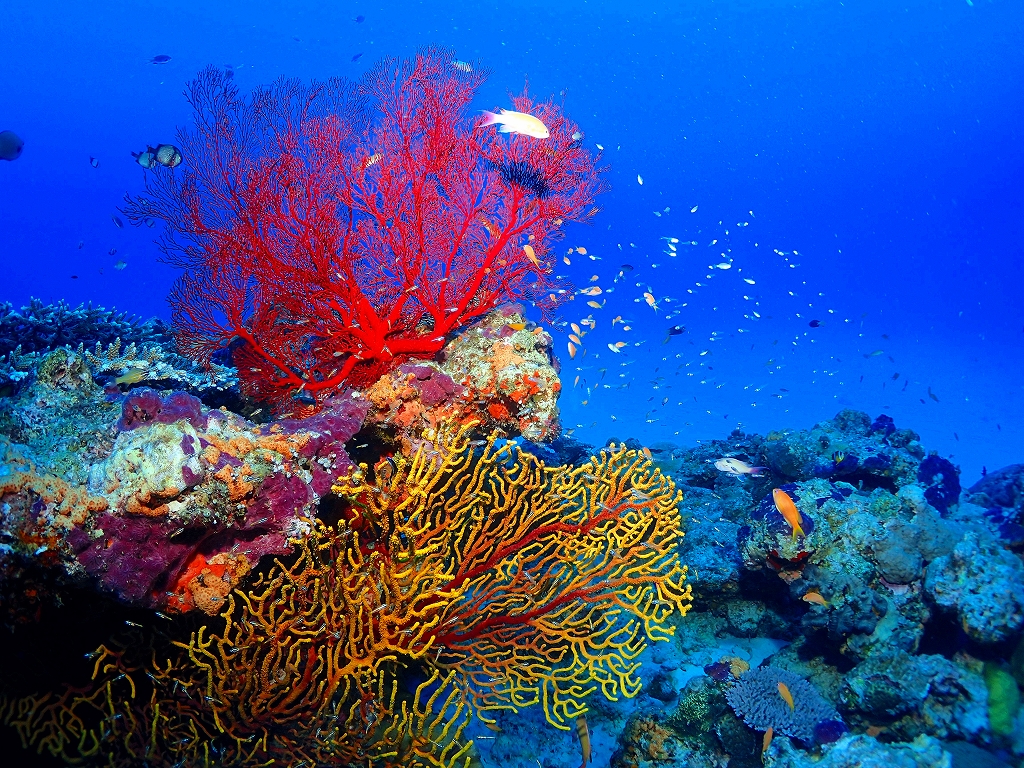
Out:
{"x": 205, "y": 584}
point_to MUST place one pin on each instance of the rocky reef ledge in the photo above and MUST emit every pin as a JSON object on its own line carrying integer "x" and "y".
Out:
{"x": 886, "y": 630}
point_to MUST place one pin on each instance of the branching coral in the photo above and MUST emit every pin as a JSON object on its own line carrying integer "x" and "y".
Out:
{"x": 38, "y": 326}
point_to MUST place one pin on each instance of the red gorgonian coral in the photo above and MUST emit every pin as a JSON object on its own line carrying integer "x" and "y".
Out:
{"x": 329, "y": 231}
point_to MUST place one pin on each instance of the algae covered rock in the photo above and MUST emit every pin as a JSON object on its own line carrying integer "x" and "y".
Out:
{"x": 980, "y": 582}
{"x": 863, "y": 752}
{"x": 914, "y": 695}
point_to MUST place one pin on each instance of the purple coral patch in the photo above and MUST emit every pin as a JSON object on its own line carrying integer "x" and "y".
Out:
{"x": 719, "y": 671}
{"x": 145, "y": 406}
{"x": 434, "y": 387}
{"x": 133, "y": 558}
{"x": 828, "y": 731}
{"x": 191, "y": 479}
{"x": 337, "y": 423}
{"x": 883, "y": 424}
{"x": 767, "y": 511}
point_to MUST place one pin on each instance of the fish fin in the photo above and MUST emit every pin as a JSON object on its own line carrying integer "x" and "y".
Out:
{"x": 758, "y": 471}
{"x": 136, "y": 155}
{"x": 504, "y": 128}
{"x": 490, "y": 118}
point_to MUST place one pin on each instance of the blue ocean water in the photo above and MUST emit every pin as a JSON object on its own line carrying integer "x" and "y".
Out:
{"x": 861, "y": 163}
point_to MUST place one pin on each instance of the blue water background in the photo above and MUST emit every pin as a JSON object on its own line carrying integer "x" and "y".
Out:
{"x": 878, "y": 145}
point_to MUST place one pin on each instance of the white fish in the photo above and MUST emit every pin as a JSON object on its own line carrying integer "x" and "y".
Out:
{"x": 639, "y": 179}
{"x": 737, "y": 467}
{"x": 509, "y": 121}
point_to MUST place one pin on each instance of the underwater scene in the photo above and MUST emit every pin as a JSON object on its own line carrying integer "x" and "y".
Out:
{"x": 604, "y": 384}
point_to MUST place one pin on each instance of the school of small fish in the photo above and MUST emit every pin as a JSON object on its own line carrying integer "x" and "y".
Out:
{"x": 717, "y": 271}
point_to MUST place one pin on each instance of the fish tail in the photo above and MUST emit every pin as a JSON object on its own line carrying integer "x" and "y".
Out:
{"x": 490, "y": 118}
{"x": 758, "y": 471}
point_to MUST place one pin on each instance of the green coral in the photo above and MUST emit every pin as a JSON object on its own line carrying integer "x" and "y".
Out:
{"x": 1003, "y": 699}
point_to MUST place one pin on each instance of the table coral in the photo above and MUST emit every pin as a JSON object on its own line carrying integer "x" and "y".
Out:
{"x": 37, "y": 326}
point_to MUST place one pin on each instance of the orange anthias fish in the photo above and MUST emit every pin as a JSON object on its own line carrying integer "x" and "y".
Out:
{"x": 787, "y": 696}
{"x": 816, "y": 598}
{"x": 788, "y": 510}
{"x": 767, "y": 740}
{"x": 584, "y": 733}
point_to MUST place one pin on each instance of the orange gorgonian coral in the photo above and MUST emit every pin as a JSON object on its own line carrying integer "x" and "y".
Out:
{"x": 535, "y": 584}
{"x": 506, "y": 582}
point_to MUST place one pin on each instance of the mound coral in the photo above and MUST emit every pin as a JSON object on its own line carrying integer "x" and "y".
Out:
{"x": 329, "y": 232}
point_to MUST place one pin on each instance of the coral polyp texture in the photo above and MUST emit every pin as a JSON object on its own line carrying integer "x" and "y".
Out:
{"x": 329, "y": 232}
{"x": 757, "y": 698}
{"x": 510, "y": 582}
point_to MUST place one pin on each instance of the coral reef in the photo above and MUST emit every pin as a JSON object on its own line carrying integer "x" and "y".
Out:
{"x": 864, "y": 752}
{"x": 132, "y": 490}
{"x": 1001, "y": 495}
{"x": 511, "y": 582}
{"x": 903, "y": 691}
{"x": 391, "y": 569}
{"x": 498, "y": 372}
{"x": 972, "y": 581}
{"x": 900, "y": 586}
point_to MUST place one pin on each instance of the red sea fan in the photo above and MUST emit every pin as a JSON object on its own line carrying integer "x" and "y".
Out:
{"x": 327, "y": 232}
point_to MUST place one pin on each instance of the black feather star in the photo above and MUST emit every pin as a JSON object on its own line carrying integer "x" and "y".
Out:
{"x": 525, "y": 176}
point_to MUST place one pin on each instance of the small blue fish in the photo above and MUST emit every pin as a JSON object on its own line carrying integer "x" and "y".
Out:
{"x": 161, "y": 58}
{"x": 356, "y": 57}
